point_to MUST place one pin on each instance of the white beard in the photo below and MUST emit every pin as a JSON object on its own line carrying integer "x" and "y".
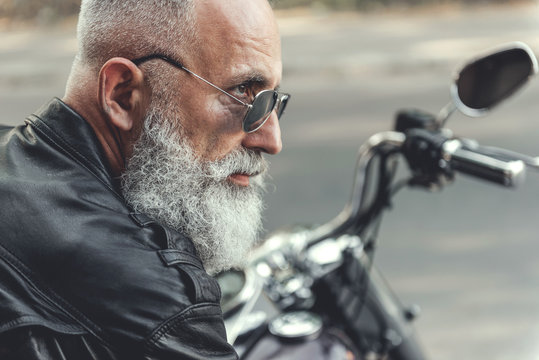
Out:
{"x": 164, "y": 180}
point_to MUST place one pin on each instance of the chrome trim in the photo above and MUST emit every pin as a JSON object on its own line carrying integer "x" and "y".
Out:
{"x": 296, "y": 325}
{"x": 251, "y": 286}
{"x": 238, "y": 308}
{"x": 352, "y": 209}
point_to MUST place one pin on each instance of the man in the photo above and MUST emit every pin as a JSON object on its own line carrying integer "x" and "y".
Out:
{"x": 119, "y": 199}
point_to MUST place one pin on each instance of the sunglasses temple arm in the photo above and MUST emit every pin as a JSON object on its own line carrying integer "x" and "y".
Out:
{"x": 215, "y": 87}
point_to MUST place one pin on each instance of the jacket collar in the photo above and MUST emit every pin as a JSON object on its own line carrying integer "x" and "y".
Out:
{"x": 66, "y": 130}
{"x": 74, "y": 136}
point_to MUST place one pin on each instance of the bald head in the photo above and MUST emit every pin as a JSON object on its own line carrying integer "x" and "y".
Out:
{"x": 131, "y": 28}
{"x": 134, "y": 28}
{"x": 247, "y": 17}
{"x": 223, "y": 26}
{"x": 178, "y": 28}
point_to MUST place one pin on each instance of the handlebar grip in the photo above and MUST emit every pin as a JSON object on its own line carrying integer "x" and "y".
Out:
{"x": 506, "y": 173}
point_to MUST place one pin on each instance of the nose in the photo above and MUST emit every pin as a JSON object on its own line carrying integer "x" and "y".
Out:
{"x": 266, "y": 139}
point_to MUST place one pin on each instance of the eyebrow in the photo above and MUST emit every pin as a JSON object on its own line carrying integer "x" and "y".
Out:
{"x": 253, "y": 77}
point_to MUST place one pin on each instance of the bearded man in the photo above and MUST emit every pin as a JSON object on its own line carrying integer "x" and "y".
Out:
{"x": 123, "y": 198}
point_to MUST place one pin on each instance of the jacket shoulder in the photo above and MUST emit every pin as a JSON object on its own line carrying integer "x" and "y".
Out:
{"x": 74, "y": 259}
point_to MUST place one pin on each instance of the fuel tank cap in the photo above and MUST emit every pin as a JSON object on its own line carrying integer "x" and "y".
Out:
{"x": 296, "y": 325}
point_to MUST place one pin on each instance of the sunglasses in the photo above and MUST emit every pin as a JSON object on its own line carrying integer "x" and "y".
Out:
{"x": 258, "y": 112}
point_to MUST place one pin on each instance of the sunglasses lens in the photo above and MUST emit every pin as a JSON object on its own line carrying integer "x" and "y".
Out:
{"x": 260, "y": 111}
{"x": 282, "y": 105}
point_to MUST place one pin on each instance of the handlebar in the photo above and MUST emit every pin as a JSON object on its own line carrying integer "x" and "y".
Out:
{"x": 432, "y": 156}
{"x": 509, "y": 173}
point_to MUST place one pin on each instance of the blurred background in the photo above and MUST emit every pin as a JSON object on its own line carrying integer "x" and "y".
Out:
{"x": 468, "y": 255}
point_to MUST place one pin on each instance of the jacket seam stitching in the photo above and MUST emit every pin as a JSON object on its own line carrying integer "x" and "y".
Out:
{"x": 172, "y": 322}
{"x": 190, "y": 258}
{"x": 37, "y": 321}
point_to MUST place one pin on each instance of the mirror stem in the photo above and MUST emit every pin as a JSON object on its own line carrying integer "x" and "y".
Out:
{"x": 444, "y": 114}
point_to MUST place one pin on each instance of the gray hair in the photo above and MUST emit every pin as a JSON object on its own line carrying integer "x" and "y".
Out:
{"x": 132, "y": 28}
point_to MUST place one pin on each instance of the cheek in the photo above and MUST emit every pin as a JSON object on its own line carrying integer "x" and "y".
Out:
{"x": 227, "y": 116}
{"x": 215, "y": 132}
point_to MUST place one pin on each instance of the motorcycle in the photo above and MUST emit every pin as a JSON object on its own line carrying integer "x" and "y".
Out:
{"x": 313, "y": 292}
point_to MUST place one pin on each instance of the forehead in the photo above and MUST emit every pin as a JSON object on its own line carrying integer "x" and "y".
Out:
{"x": 238, "y": 37}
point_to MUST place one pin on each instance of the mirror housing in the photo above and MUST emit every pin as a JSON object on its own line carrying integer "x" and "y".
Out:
{"x": 486, "y": 81}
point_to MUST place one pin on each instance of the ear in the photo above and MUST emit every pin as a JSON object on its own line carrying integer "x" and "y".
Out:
{"x": 122, "y": 93}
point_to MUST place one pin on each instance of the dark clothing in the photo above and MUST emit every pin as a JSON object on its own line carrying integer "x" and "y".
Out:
{"x": 82, "y": 276}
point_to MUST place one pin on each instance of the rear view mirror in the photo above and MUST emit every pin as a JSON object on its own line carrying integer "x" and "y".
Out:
{"x": 490, "y": 79}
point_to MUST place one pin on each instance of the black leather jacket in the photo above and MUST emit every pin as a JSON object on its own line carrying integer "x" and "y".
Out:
{"x": 81, "y": 275}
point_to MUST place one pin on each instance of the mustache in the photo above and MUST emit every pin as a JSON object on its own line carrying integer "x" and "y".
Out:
{"x": 239, "y": 161}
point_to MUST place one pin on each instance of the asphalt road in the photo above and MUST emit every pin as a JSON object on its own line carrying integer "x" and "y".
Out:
{"x": 467, "y": 255}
